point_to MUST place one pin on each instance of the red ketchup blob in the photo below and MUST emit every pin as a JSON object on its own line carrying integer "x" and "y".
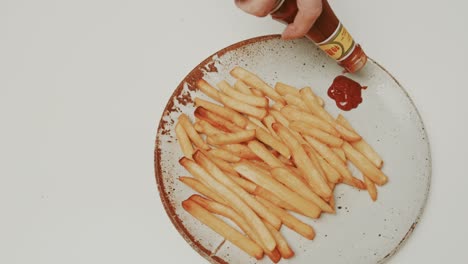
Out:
{"x": 346, "y": 93}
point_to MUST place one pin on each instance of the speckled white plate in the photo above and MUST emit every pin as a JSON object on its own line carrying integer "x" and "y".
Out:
{"x": 362, "y": 231}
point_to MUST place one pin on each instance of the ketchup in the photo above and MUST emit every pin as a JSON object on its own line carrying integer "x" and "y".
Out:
{"x": 346, "y": 93}
{"x": 328, "y": 33}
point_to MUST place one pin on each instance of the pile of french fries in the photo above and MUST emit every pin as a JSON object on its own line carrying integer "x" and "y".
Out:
{"x": 254, "y": 161}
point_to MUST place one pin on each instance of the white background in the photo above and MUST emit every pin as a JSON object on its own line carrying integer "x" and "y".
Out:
{"x": 83, "y": 85}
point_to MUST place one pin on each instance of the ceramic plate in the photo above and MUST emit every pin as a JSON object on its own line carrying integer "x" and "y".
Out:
{"x": 362, "y": 231}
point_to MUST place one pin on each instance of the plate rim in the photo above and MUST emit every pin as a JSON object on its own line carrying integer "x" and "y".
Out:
{"x": 197, "y": 71}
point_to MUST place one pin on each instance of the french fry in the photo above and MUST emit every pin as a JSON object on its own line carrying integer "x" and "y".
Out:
{"x": 307, "y": 129}
{"x": 364, "y": 165}
{"x": 191, "y": 132}
{"x": 216, "y": 120}
{"x": 261, "y": 151}
{"x": 281, "y": 243}
{"x": 292, "y": 198}
{"x": 292, "y": 182}
{"x": 222, "y": 164}
{"x": 284, "y": 89}
{"x": 361, "y": 145}
{"x": 242, "y": 87}
{"x": 274, "y": 143}
{"x": 280, "y": 118}
{"x": 257, "y": 122}
{"x": 340, "y": 153}
{"x": 288, "y": 220}
{"x": 184, "y": 141}
{"x": 371, "y": 189}
{"x": 335, "y": 162}
{"x": 240, "y": 150}
{"x": 294, "y": 114}
{"x": 207, "y": 89}
{"x": 268, "y": 121}
{"x": 266, "y": 194}
{"x": 330, "y": 172}
{"x": 235, "y": 202}
{"x": 257, "y": 92}
{"x": 201, "y": 188}
{"x": 317, "y": 98}
{"x": 318, "y": 110}
{"x": 203, "y": 127}
{"x": 255, "y": 82}
{"x": 224, "y": 112}
{"x": 219, "y": 209}
{"x": 313, "y": 156}
{"x": 247, "y": 99}
{"x": 242, "y": 107}
{"x": 303, "y": 162}
{"x": 211, "y": 168}
{"x": 296, "y": 101}
{"x": 232, "y": 138}
{"x": 285, "y": 161}
{"x": 223, "y": 229}
{"x": 245, "y": 184}
{"x": 261, "y": 165}
{"x": 224, "y": 155}
{"x": 277, "y": 106}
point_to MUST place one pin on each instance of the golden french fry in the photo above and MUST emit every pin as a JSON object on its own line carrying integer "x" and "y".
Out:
{"x": 281, "y": 243}
{"x": 203, "y": 127}
{"x": 313, "y": 156}
{"x": 285, "y": 161}
{"x": 245, "y": 184}
{"x": 252, "y": 100}
{"x": 184, "y": 141}
{"x": 191, "y": 132}
{"x": 274, "y": 143}
{"x": 277, "y": 106}
{"x": 267, "y": 182}
{"x": 280, "y": 118}
{"x": 361, "y": 145}
{"x": 261, "y": 151}
{"x": 316, "y": 97}
{"x": 212, "y": 169}
{"x": 291, "y": 181}
{"x": 232, "y": 138}
{"x": 340, "y": 153}
{"x": 268, "y": 121}
{"x": 288, "y": 220}
{"x": 235, "y": 202}
{"x": 284, "y": 89}
{"x": 266, "y": 194}
{"x": 223, "y": 229}
{"x": 207, "y": 89}
{"x": 216, "y": 120}
{"x": 242, "y": 107}
{"x": 318, "y": 110}
{"x": 222, "y": 164}
{"x": 201, "y": 188}
{"x": 257, "y": 92}
{"x": 255, "y": 82}
{"x": 242, "y": 87}
{"x": 261, "y": 165}
{"x": 240, "y": 150}
{"x": 296, "y": 101}
{"x": 222, "y": 111}
{"x": 224, "y": 155}
{"x": 371, "y": 188}
{"x": 307, "y": 129}
{"x": 364, "y": 165}
{"x": 294, "y": 114}
{"x": 219, "y": 209}
{"x": 332, "y": 175}
{"x": 312, "y": 175}
{"x": 257, "y": 123}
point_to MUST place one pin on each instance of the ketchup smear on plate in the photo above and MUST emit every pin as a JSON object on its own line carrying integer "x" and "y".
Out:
{"x": 346, "y": 93}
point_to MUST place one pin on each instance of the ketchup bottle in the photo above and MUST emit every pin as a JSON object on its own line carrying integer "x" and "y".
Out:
{"x": 328, "y": 33}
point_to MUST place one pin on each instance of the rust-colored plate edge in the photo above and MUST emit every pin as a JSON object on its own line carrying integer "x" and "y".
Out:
{"x": 190, "y": 79}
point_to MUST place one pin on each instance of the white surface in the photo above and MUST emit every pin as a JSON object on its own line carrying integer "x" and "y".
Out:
{"x": 362, "y": 231}
{"x": 83, "y": 84}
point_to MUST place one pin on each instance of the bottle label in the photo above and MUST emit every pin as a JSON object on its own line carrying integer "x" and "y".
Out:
{"x": 339, "y": 45}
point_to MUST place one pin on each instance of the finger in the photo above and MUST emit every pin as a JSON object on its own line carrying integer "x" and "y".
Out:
{"x": 259, "y": 8}
{"x": 304, "y": 20}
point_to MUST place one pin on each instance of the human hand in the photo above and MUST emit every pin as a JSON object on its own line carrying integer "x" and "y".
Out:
{"x": 309, "y": 11}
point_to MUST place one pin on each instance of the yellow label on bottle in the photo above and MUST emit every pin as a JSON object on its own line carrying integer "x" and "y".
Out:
{"x": 339, "y": 45}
